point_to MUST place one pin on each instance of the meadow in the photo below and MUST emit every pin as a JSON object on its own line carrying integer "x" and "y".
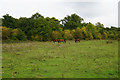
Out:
{"x": 87, "y": 59}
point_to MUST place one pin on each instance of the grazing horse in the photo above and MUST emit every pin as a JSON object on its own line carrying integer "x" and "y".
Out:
{"x": 77, "y": 40}
{"x": 61, "y": 40}
{"x": 55, "y": 40}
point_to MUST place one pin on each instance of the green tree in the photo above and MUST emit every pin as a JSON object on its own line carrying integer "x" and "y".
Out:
{"x": 99, "y": 25}
{"x": 111, "y": 36}
{"x": 9, "y": 21}
{"x": 53, "y": 23}
{"x": 18, "y": 34}
{"x": 72, "y": 22}
{"x": 91, "y": 28}
{"x": 36, "y": 15}
{"x": 46, "y": 32}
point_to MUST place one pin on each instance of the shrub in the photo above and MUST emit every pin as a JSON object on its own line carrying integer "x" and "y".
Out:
{"x": 6, "y": 33}
{"x": 18, "y": 34}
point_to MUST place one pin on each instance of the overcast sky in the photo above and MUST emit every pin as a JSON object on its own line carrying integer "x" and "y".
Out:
{"x": 104, "y": 11}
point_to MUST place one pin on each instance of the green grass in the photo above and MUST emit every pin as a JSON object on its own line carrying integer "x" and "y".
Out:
{"x": 87, "y": 59}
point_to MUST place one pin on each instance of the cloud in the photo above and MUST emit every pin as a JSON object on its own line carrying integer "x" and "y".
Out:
{"x": 104, "y": 11}
{"x": 119, "y": 14}
{"x": 85, "y": 9}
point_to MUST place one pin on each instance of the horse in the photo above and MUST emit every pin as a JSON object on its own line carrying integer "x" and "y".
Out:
{"x": 61, "y": 40}
{"x": 55, "y": 40}
{"x": 77, "y": 40}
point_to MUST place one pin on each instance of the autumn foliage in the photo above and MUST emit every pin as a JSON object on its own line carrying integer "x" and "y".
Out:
{"x": 39, "y": 28}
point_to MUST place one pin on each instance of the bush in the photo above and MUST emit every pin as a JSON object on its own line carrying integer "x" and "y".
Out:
{"x": 6, "y": 33}
{"x": 78, "y": 34}
{"x": 99, "y": 36}
{"x": 105, "y": 36}
{"x": 18, "y": 34}
{"x": 111, "y": 36}
{"x": 55, "y": 35}
{"x": 91, "y": 36}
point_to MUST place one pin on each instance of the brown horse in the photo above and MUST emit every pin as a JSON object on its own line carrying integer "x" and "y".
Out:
{"x": 55, "y": 40}
{"x": 77, "y": 40}
{"x": 61, "y": 40}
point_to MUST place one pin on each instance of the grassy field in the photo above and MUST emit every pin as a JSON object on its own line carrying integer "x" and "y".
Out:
{"x": 87, "y": 59}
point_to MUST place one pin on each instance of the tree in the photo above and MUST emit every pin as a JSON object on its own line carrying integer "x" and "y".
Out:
{"x": 105, "y": 36}
{"x": 73, "y": 32}
{"x": 21, "y": 35}
{"x": 72, "y": 22}
{"x": 99, "y": 36}
{"x": 6, "y": 33}
{"x": 78, "y": 33}
{"x": 44, "y": 29}
{"x": 55, "y": 35}
{"x": 91, "y": 28}
{"x": 46, "y": 32}
{"x": 68, "y": 35}
{"x": 9, "y": 21}
{"x": 119, "y": 35}
{"x": 36, "y": 15}
{"x": 26, "y": 25}
{"x": 71, "y": 25}
{"x": 91, "y": 36}
{"x": 18, "y": 34}
{"x": 116, "y": 36}
{"x": 84, "y": 32}
{"x": 53, "y": 23}
{"x": 37, "y": 37}
{"x": 111, "y": 36}
{"x": 0, "y": 21}
{"x": 99, "y": 25}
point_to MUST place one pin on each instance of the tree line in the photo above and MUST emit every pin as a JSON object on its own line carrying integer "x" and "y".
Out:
{"x": 40, "y": 28}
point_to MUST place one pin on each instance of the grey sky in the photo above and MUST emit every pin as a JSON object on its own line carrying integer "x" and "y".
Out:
{"x": 119, "y": 14}
{"x": 104, "y": 11}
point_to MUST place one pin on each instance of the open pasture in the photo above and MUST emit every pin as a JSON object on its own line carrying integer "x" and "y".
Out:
{"x": 87, "y": 59}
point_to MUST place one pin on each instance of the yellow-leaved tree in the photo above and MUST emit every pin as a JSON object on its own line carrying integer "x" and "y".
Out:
{"x": 5, "y": 33}
{"x": 55, "y": 35}
{"x": 85, "y": 33}
{"x": 99, "y": 36}
{"x": 68, "y": 35}
{"x": 105, "y": 36}
{"x": 91, "y": 36}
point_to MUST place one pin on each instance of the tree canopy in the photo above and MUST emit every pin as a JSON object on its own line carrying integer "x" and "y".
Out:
{"x": 41, "y": 28}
